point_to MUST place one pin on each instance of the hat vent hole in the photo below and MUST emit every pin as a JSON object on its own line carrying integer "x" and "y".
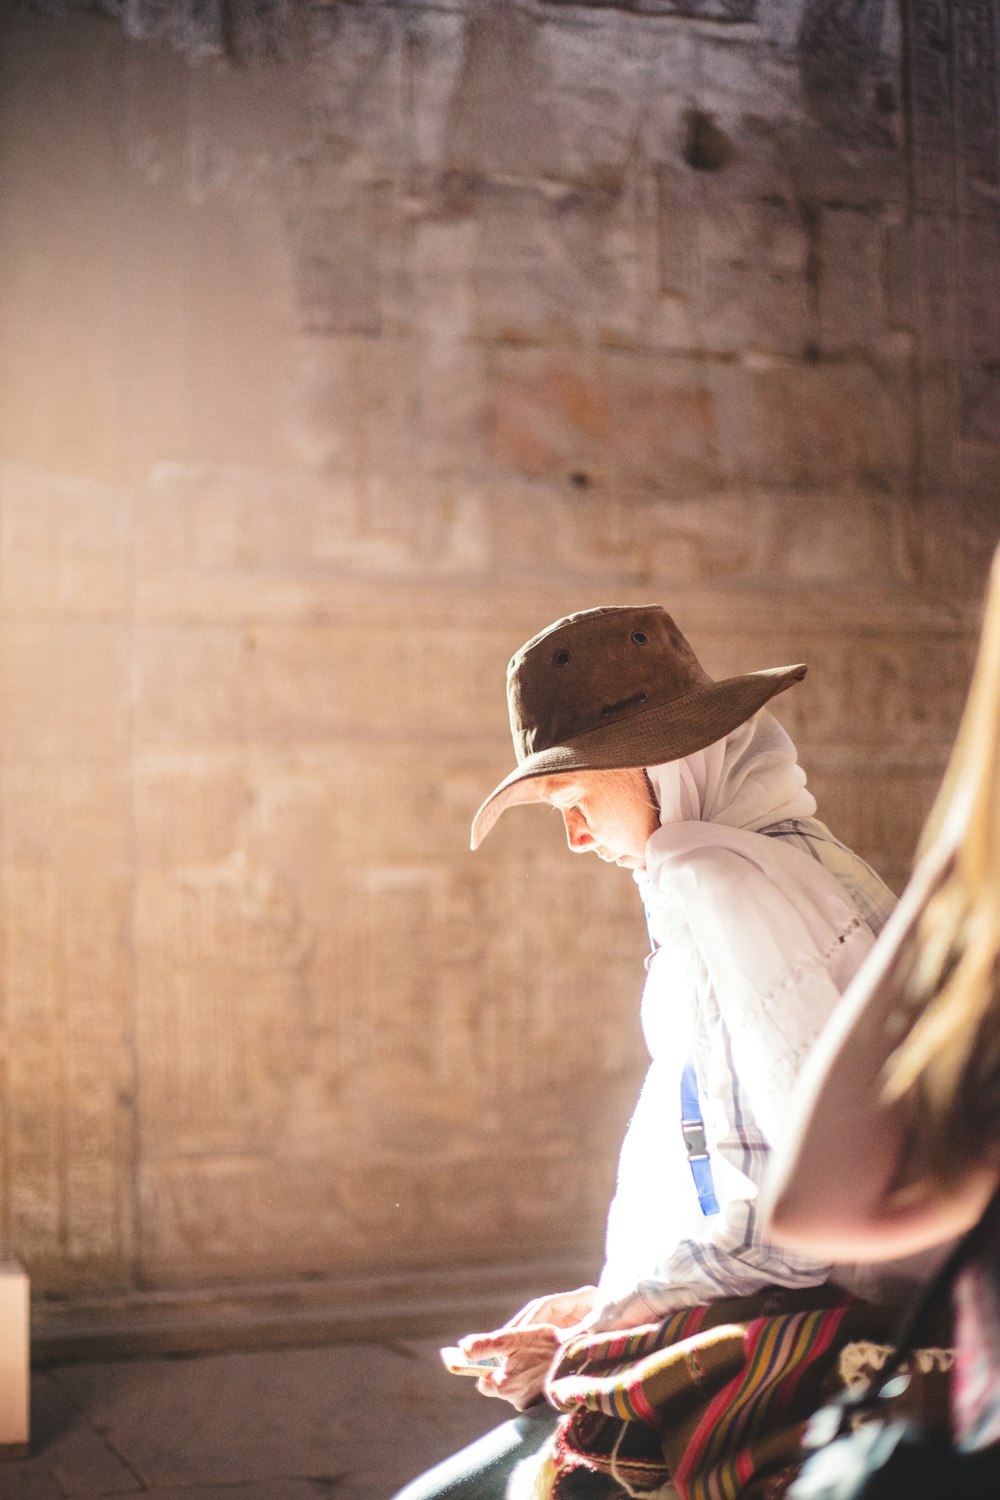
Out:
{"x": 640, "y": 637}
{"x": 642, "y": 697}
{"x": 561, "y": 658}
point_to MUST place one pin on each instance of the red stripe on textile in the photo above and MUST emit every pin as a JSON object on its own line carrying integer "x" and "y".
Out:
{"x": 716, "y": 1410}
{"x": 642, "y": 1408}
{"x": 805, "y": 1339}
{"x": 800, "y": 1344}
{"x": 789, "y": 1344}
{"x": 697, "y": 1318}
{"x": 608, "y": 1358}
{"x": 825, "y": 1334}
{"x": 792, "y": 1345}
{"x": 765, "y": 1340}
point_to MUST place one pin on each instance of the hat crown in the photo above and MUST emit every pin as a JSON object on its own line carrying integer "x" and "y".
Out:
{"x": 594, "y": 669}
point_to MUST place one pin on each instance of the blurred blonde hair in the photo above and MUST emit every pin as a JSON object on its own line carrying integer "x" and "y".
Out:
{"x": 947, "y": 1070}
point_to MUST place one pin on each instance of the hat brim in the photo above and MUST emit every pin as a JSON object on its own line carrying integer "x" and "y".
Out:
{"x": 650, "y": 737}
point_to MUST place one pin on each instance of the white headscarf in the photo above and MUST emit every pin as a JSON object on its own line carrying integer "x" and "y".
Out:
{"x": 776, "y": 930}
{"x": 748, "y": 780}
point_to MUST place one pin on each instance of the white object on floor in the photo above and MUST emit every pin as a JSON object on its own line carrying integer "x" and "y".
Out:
{"x": 14, "y": 1358}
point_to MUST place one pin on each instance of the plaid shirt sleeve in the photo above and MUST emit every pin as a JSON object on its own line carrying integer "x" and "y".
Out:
{"x": 868, "y": 891}
{"x": 725, "y": 1254}
{"x": 728, "y": 1256}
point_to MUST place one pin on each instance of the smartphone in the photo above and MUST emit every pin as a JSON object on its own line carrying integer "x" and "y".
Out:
{"x": 459, "y": 1363}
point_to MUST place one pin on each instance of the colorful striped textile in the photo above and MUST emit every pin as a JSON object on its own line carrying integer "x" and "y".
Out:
{"x": 713, "y": 1399}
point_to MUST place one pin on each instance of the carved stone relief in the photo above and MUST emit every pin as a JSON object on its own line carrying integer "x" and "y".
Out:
{"x": 367, "y": 338}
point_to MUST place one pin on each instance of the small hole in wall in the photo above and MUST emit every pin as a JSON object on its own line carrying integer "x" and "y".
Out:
{"x": 579, "y": 480}
{"x": 706, "y": 147}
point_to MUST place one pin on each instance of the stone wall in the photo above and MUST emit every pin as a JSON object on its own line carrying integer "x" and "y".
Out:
{"x": 343, "y": 346}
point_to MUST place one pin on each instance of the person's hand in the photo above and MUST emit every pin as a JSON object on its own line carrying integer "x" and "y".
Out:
{"x": 525, "y": 1355}
{"x": 561, "y": 1309}
{"x": 527, "y": 1345}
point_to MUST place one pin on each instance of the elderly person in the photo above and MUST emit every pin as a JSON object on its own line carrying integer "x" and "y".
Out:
{"x": 758, "y": 919}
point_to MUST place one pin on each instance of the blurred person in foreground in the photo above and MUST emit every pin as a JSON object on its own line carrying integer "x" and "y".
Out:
{"x": 696, "y": 1357}
{"x": 895, "y": 1144}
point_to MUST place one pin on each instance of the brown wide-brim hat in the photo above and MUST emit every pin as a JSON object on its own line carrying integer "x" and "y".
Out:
{"x": 613, "y": 688}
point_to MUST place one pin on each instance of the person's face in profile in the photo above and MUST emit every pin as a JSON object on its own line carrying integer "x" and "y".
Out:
{"x": 607, "y": 813}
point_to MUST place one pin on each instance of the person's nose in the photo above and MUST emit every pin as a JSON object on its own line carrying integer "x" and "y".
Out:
{"x": 578, "y": 835}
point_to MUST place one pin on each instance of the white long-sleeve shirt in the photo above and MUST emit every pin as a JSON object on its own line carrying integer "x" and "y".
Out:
{"x": 758, "y": 937}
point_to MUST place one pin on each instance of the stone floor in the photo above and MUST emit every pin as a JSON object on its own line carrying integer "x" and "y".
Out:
{"x": 349, "y": 1421}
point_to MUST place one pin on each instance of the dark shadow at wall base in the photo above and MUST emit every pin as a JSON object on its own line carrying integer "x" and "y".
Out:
{"x": 445, "y": 1303}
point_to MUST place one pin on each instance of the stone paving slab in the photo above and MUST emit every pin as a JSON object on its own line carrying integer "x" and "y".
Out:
{"x": 353, "y": 1421}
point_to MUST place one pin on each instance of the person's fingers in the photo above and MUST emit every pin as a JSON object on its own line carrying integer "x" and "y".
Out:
{"x": 525, "y": 1396}
{"x": 505, "y": 1340}
{"x": 572, "y": 1307}
{"x": 521, "y": 1389}
{"x": 525, "y": 1360}
{"x": 582, "y": 1328}
{"x": 475, "y": 1345}
{"x": 486, "y": 1387}
{"x": 527, "y": 1314}
{"x": 558, "y": 1308}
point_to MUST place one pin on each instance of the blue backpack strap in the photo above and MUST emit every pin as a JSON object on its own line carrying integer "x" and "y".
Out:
{"x": 693, "y": 1131}
{"x": 692, "y": 1124}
